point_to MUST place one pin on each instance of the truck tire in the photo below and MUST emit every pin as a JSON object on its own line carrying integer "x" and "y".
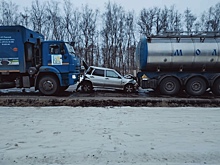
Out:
{"x": 87, "y": 86}
{"x": 129, "y": 88}
{"x": 196, "y": 86}
{"x": 169, "y": 86}
{"x": 48, "y": 85}
{"x": 216, "y": 87}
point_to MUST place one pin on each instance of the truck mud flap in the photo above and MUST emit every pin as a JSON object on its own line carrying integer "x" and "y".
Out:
{"x": 148, "y": 84}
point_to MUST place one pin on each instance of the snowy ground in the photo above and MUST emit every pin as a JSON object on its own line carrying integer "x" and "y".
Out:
{"x": 109, "y": 136}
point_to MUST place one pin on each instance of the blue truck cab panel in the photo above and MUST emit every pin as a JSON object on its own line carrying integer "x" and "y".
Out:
{"x": 61, "y": 59}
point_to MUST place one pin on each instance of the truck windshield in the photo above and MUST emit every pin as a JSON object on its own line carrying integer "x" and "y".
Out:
{"x": 70, "y": 48}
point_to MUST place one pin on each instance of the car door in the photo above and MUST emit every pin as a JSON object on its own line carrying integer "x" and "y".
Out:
{"x": 112, "y": 80}
{"x": 97, "y": 78}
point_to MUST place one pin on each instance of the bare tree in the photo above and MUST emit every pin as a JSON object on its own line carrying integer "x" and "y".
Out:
{"x": 146, "y": 21}
{"x": 158, "y": 21}
{"x": 55, "y": 20}
{"x": 210, "y": 20}
{"x": 174, "y": 21}
{"x": 112, "y": 34}
{"x": 88, "y": 26}
{"x": 214, "y": 20}
{"x": 37, "y": 16}
{"x": 72, "y": 18}
{"x": 189, "y": 20}
{"x": 9, "y": 12}
{"x": 130, "y": 43}
{"x": 25, "y": 17}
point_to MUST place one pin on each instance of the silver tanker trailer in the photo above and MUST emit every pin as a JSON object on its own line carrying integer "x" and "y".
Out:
{"x": 172, "y": 63}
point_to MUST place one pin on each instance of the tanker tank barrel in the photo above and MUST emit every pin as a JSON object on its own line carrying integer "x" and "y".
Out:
{"x": 180, "y": 52}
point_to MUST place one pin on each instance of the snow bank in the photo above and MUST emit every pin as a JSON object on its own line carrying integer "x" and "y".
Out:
{"x": 112, "y": 135}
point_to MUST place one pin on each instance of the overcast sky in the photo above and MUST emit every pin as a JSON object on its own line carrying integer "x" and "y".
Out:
{"x": 197, "y": 6}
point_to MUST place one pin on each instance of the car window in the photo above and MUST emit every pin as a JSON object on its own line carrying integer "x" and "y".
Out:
{"x": 110, "y": 73}
{"x": 98, "y": 72}
{"x": 89, "y": 71}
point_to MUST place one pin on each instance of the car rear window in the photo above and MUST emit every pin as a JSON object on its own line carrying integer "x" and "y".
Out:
{"x": 98, "y": 72}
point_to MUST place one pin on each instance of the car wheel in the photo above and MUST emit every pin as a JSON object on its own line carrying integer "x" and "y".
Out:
{"x": 129, "y": 88}
{"x": 48, "y": 85}
{"x": 87, "y": 86}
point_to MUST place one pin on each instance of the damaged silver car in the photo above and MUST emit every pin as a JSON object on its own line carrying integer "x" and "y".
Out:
{"x": 105, "y": 78}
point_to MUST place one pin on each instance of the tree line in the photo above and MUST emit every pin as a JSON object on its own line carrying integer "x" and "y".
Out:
{"x": 107, "y": 38}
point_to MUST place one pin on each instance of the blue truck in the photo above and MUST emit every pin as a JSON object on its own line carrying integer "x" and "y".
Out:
{"x": 173, "y": 63}
{"x": 27, "y": 60}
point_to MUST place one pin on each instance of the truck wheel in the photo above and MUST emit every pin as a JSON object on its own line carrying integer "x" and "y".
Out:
{"x": 169, "y": 86}
{"x": 216, "y": 87}
{"x": 129, "y": 88}
{"x": 196, "y": 86}
{"x": 87, "y": 86}
{"x": 48, "y": 85}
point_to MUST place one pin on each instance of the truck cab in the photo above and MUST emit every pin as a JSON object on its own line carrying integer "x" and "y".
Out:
{"x": 60, "y": 65}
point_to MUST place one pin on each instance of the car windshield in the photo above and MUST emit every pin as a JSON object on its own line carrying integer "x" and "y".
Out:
{"x": 70, "y": 48}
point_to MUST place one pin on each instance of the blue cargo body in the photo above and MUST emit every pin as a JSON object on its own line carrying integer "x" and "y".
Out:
{"x": 12, "y": 47}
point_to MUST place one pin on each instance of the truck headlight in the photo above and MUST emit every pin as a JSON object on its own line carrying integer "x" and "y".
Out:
{"x": 73, "y": 76}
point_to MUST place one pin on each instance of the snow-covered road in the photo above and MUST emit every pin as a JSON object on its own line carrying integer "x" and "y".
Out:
{"x": 109, "y": 136}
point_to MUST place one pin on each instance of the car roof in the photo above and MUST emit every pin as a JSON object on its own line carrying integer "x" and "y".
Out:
{"x": 103, "y": 68}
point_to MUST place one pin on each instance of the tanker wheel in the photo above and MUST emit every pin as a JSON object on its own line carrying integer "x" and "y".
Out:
{"x": 216, "y": 87}
{"x": 196, "y": 86}
{"x": 48, "y": 85}
{"x": 129, "y": 88}
{"x": 87, "y": 86}
{"x": 169, "y": 86}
